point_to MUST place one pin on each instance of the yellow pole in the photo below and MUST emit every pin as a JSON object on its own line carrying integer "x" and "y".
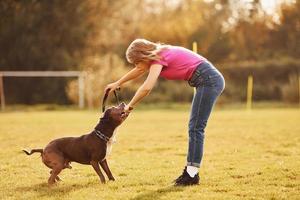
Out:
{"x": 2, "y": 97}
{"x": 249, "y": 92}
{"x": 195, "y": 49}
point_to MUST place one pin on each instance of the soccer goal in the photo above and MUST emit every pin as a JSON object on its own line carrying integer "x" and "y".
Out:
{"x": 77, "y": 74}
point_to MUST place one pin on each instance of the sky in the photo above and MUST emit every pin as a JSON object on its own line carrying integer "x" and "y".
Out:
{"x": 270, "y": 5}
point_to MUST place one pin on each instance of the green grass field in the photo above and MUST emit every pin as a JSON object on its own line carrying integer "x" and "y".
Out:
{"x": 248, "y": 155}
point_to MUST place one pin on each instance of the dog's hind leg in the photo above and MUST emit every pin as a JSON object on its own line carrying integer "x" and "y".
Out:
{"x": 105, "y": 167}
{"x": 56, "y": 178}
{"x": 54, "y": 174}
{"x": 96, "y": 167}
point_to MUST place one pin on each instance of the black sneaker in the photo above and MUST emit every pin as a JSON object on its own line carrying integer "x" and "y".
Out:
{"x": 184, "y": 172}
{"x": 185, "y": 179}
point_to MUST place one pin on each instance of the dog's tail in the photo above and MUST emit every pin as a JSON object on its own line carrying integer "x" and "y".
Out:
{"x": 33, "y": 151}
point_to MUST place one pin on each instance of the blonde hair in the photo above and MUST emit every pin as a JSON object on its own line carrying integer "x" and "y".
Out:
{"x": 143, "y": 50}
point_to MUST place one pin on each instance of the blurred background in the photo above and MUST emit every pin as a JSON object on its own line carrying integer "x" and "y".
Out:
{"x": 243, "y": 38}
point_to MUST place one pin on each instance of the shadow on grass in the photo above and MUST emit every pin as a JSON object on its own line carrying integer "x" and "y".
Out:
{"x": 157, "y": 194}
{"x": 42, "y": 189}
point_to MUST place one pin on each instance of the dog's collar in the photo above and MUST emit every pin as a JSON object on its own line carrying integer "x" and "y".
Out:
{"x": 101, "y": 135}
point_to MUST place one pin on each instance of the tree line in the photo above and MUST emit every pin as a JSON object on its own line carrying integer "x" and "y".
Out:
{"x": 92, "y": 35}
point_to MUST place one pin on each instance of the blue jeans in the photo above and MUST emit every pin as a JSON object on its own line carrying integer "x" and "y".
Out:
{"x": 209, "y": 84}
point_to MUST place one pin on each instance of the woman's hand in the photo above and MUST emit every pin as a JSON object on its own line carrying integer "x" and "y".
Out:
{"x": 111, "y": 87}
{"x": 128, "y": 109}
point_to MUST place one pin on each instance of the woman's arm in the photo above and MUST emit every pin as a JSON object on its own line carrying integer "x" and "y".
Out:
{"x": 132, "y": 74}
{"x": 147, "y": 86}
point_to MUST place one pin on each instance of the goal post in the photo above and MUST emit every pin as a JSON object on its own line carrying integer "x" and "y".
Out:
{"x": 77, "y": 74}
{"x": 2, "y": 97}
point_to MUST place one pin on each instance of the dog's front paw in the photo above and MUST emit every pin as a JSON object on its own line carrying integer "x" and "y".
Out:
{"x": 52, "y": 183}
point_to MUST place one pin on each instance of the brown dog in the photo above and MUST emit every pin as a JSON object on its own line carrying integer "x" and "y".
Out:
{"x": 90, "y": 149}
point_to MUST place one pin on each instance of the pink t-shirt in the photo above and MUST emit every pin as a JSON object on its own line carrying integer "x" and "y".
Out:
{"x": 178, "y": 63}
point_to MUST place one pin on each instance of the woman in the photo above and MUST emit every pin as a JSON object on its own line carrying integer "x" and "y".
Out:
{"x": 176, "y": 63}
